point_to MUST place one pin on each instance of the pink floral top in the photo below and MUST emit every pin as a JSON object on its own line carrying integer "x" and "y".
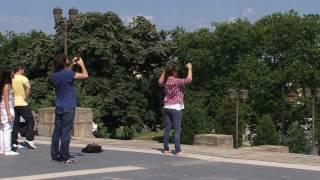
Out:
{"x": 174, "y": 90}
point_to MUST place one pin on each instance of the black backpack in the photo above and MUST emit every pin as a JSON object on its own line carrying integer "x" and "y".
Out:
{"x": 92, "y": 148}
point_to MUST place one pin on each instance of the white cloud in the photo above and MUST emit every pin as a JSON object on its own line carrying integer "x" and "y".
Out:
{"x": 249, "y": 12}
{"x": 129, "y": 19}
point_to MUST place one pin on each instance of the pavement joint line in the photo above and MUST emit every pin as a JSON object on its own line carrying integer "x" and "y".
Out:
{"x": 76, "y": 173}
{"x": 207, "y": 157}
{"x": 257, "y": 163}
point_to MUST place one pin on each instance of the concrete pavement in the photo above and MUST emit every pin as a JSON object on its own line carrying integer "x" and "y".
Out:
{"x": 299, "y": 160}
{"x": 126, "y": 163}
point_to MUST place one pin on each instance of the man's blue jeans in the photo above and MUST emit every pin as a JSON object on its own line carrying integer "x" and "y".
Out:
{"x": 173, "y": 118}
{"x": 62, "y": 132}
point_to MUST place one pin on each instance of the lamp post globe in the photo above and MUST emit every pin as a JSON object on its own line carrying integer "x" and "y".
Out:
{"x": 232, "y": 94}
{"x": 244, "y": 94}
{"x": 57, "y": 14}
{"x": 73, "y": 13}
{"x": 317, "y": 92}
{"x": 307, "y": 92}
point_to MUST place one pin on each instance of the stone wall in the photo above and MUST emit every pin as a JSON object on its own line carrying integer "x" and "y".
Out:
{"x": 82, "y": 122}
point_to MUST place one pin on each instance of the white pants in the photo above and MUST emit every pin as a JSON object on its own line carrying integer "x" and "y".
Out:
{"x": 5, "y": 130}
{"x": 5, "y": 136}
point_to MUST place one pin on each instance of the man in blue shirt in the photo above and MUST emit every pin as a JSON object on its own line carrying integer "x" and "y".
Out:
{"x": 66, "y": 103}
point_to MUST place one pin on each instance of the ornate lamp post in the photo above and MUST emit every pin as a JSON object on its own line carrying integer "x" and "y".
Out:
{"x": 237, "y": 96}
{"x": 315, "y": 94}
{"x": 60, "y": 20}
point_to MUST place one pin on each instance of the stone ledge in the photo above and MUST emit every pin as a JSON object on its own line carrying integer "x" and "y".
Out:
{"x": 268, "y": 148}
{"x": 214, "y": 140}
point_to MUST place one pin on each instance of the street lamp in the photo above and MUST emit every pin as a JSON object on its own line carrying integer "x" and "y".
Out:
{"x": 308, "y": 94}
{"x": 236, "y": 96}
{"x": 60, "y": 20}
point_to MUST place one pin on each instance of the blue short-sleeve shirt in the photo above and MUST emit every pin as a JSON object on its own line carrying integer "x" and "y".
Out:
{"x": 65, "y": 92}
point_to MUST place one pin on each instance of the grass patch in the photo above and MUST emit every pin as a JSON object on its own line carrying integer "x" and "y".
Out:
{"x": 149, "y": 135}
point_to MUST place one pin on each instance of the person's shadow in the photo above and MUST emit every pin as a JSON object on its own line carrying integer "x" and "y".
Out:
{"x": 76, "y": 154}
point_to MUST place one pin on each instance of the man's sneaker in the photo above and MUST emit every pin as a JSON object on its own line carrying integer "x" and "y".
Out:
{"x": 17, "y": 146}
{"x": 31, "y": 144}
{"x": 71, "y": 161}
{"x": 11, "y": 153}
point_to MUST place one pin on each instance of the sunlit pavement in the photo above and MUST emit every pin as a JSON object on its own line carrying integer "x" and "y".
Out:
{"x": 131, "y": 163}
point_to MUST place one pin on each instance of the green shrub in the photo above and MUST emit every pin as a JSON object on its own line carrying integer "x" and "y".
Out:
{"x": 266, "y": 131}
{"x": 298, "y": 140}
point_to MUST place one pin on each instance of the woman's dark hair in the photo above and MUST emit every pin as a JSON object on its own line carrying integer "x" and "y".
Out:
{"x": 60, "y": 62}
{"x": 18, "y": 68}
{"x": 5, "y": 79}
{"x": 171, "y": 69}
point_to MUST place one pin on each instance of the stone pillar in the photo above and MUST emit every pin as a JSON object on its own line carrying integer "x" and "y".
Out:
{"x": 46, "y": 121}
{"x": 82, "y": 122}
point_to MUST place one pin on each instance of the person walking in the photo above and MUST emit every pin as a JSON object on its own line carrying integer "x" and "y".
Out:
{"x": 22, "y": 90}
{"x": 173, "y": 104}
{"x": 65, "y": 105}
{"x": 7, "y": 113}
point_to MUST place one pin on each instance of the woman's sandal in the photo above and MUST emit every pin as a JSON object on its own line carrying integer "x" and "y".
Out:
{"x": 182, "y": 154}
{"x": 167, "y": 152}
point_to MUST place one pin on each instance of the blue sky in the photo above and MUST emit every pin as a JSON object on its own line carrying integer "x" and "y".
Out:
{"x": 25, "y": 15}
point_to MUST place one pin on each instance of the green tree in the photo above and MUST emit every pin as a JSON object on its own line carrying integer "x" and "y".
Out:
{"x": 123, "y": 60}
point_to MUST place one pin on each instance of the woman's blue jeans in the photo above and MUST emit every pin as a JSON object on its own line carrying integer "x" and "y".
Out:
{"x": 172, "y": 118}
{"x": 62, "y": 133}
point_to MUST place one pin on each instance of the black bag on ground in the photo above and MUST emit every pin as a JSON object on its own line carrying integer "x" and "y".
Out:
{"x": 92, "y": 148}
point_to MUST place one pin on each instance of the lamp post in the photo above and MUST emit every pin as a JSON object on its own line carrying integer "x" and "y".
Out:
{"x": 60, "y": 20}
{"x": 282, "y": 115}
{"x": 237, "y": 96}
{"x": 315, "y": 94}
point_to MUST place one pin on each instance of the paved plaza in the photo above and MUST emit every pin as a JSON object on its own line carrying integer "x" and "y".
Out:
{"x": 123, "y": 161}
